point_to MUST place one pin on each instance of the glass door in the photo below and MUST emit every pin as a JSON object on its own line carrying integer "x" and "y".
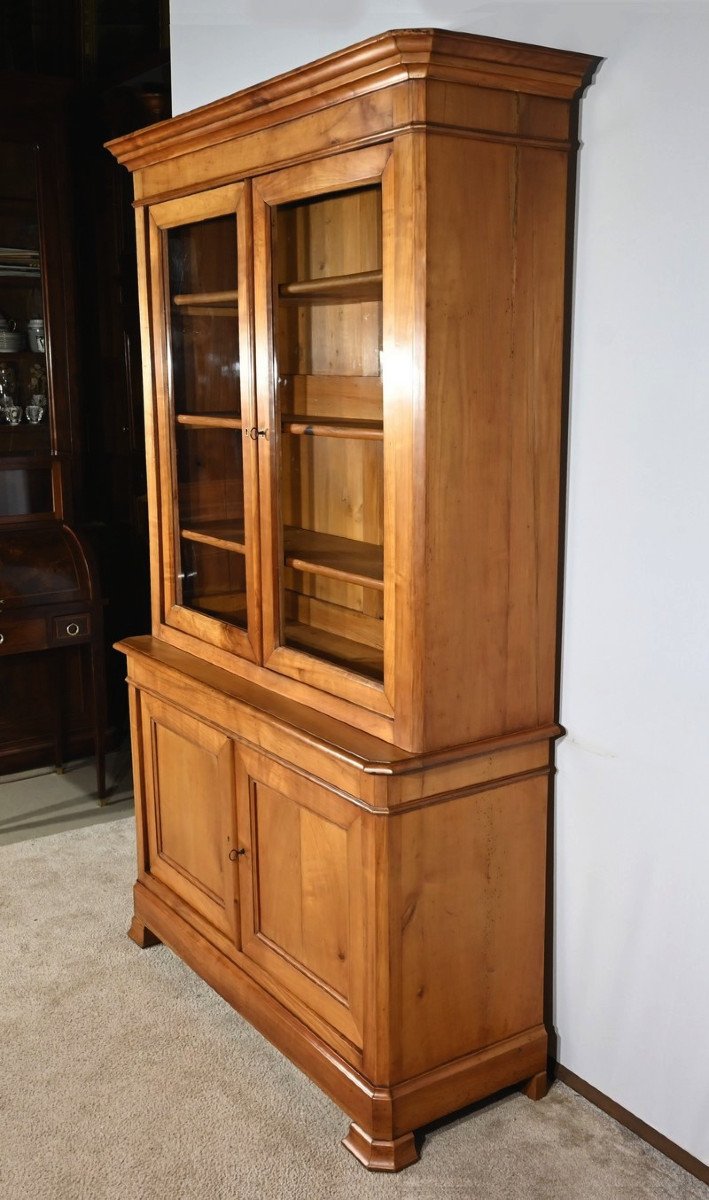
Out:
{"x": 206, "y": 448}
{"x": 319, "y": 316}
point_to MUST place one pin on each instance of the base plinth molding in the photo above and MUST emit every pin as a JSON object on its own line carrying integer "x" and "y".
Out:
{"x": 141, "y": 935}
{"x": 378, "y": 1155}
{"x": 537, "y": 1087}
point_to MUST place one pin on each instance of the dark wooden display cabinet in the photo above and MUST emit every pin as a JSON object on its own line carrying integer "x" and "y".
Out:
{"x": 50, "y": 613}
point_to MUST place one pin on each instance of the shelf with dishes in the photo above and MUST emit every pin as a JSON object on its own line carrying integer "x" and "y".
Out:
{"x": 23, "y": 399}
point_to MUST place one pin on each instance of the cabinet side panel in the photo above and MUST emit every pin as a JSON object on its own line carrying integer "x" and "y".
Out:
{"x": 470, "y": 910}
{"x": 496, "y": 248}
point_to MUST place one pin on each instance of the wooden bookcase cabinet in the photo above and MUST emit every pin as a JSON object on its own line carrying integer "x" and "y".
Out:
{"x": 354, "y": 291}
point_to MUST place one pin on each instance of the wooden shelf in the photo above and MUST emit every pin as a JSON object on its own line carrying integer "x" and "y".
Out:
{"x": 334, "y": 557}
{"x": 227, "y": 535}
{"x": 208, "y": 421}
{"x": 334, "y": 427}
{"x": 216, "y": 298}
{"x": 25, "y": 438}
{"x": 365, "y": 660}
{"x": 365, "y": 285}
{"x": 207, "y": 304}
{"x": 22, "y": 355}
{"x": 33, "y": 278}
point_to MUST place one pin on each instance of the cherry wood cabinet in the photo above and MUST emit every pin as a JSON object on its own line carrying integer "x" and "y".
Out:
{"x": 354, "y": 295}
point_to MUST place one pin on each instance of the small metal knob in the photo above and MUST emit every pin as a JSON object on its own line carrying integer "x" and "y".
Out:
{"x": 234, "y": 854}
{"x": 257, "y": 433}
{"x": 2, "y": 638}
{"x": 72, "y": 629}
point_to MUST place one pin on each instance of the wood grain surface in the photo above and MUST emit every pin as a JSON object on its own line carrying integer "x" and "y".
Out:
{"x": 343, "y": 721}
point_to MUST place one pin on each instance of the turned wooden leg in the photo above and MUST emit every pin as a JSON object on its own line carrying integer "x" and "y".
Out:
{"x": 378, "y": 1155}
{"x": 537, "y": 1087}
{"x": 141, "y": 935}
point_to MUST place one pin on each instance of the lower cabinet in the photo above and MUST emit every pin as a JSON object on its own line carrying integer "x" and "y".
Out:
{"x": 381, "y": 921}
{"x": 269, "y": 857}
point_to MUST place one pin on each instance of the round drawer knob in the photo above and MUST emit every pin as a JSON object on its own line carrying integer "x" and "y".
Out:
{"x": 72, "y": 629}
{"x": 2, "y": 638}
{"x": 234, "y": 854}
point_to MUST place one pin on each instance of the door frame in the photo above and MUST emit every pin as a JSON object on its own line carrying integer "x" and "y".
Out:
{"x": 234, "y": 198}
{"x": 338, "y": 172}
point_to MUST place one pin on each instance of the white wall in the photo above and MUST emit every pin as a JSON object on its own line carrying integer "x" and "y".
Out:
{"x": 632, "y": 893}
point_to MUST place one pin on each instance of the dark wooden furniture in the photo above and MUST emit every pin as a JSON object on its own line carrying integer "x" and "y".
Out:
{"x": 49, "y": 602}
{"x": 354, "y": 289}
{"x": 40, "y": 463}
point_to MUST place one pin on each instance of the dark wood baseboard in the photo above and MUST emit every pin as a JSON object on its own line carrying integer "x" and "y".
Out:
{"x": 670, "y": 1149}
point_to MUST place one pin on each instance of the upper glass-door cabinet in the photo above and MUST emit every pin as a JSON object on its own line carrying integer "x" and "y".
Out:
{"x": 201, "y": 255}
{"x": 319, "y": 333}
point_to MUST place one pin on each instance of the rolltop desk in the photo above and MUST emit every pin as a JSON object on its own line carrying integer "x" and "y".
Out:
{"x": 354, "y": 300}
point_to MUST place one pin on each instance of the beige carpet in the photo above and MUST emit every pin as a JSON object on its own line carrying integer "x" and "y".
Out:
{"x": 123, "y": 1077}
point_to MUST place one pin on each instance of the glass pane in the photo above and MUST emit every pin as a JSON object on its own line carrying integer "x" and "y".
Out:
{"x": 25, "y": 490}
{"x": 204, "y": 356}
{"x": 204, "y": 330}
{"x": 210, "y": 477}
{"x": 328, "y": 296}
{"x": 211, "y": 518}
{"x": 24, "y": 397}
{"x": 213, "y": 581}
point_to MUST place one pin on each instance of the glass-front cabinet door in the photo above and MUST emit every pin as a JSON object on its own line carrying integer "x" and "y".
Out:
{"x": 200, "y": 250}
{"x": 319, "y": 283}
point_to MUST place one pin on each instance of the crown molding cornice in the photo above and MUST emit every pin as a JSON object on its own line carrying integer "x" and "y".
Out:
{"x": 391, "y": 58}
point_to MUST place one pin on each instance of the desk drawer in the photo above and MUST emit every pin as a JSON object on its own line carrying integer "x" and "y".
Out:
{"x": 74, "y": 628}
{"x": 20, "y": 635}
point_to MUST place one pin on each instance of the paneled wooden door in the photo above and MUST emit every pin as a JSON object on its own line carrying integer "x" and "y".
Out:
{"x": 201, "y": 281}
{"x": 302, "y": 888}
{"x": 322, "y": 282}
{"x": 191, "y": 819}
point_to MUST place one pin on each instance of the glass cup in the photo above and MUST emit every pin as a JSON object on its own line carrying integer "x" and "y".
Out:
{"x": 8, "y": 381}
{"x": 13, "y": 412}
{"x": 34, "y": 413}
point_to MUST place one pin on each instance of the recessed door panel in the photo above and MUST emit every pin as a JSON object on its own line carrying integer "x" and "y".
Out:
{"x": 301, "y": 886}
{"x": 191, "y": 832}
